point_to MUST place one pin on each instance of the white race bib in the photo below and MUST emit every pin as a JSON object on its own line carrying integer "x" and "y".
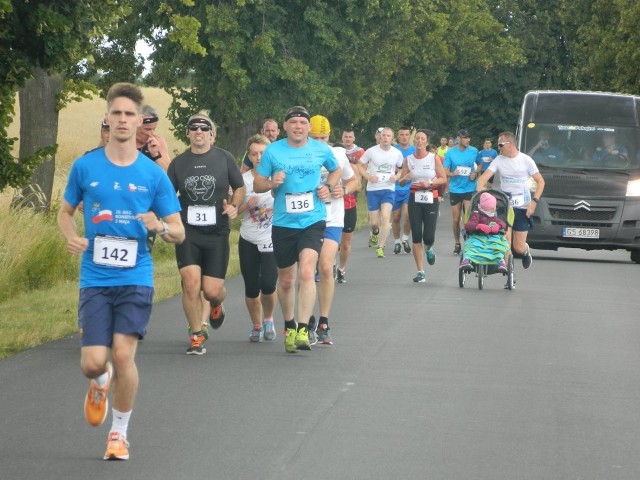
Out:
{"x": 383, "y": 177}
{"x": 299, "y": 202}
{"x": 201, "y": 215}
{"x": 424, "y": 196}
{"x": 464, "y": 171}
{"x": 516, "y": 201}
{"x": 115, "y": 251}
{"x": 265, "y": 247}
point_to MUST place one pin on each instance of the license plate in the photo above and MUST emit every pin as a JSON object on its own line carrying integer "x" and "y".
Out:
{"x": 581, "y": 232}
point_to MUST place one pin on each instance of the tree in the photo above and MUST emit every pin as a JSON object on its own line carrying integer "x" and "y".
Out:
{"x": 354, "y": 61}
{"x": 43, "y": 38}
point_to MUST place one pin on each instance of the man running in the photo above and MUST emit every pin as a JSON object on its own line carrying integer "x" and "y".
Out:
{"x": 515, "y": 169}
{"x": 378, "y": 166}
{"x": 292, "y": 169}
{"x": 400, "y": 213}
{"x": 202, "y": 175}
{"x": 124, "y": 193}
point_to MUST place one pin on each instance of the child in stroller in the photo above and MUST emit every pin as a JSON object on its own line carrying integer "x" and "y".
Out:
{"x": 485, "y": 242}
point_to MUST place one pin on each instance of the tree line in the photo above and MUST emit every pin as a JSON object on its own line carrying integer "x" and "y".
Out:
{"x": 362, "y": 63}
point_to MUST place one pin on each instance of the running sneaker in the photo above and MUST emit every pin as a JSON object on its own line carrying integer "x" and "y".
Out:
{"x": 502, "y": 266}
{"x": 397, "y": 248}
{"x": 302, "y": 339}
{"x": 216, "y": 316}
{"x": 431, "y": 256}
{"x": 527, "y": 259}
{"x": 419, "y": 278}
{"x": 204, "y": 329}
{"x": 380, "y": 252}
{"x": 324, "y": 338}
{"x": 269, "y": 330}
{"x": 197, "y": 345}
{"x": 311, "y": 328}
{"x": 290, "y": 340}
{"x": 257, "y": 334}
{"x": 406, "y": 247}
{"x": 373, "y": 240}
{"x": 117, "y": 447}
{"x": 456, "y": 249}
{"x": 465, "y": 264}
{"x": 341, "y": 276}
{"x": 96, "y": 402}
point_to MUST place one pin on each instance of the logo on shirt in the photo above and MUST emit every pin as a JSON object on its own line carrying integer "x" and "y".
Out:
{"x": 200, "y": 187}
{"x": 94, "y": 184}
{"x": 102, "y": 216}
{"x": 116, "y": 186}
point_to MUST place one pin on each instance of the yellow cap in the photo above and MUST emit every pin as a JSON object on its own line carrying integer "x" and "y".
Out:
{"x": 320, "y": 125}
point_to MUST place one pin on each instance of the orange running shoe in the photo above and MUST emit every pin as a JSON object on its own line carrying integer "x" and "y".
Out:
{"x": 117, "y": 447}
{"x": 96, "y": 402}
{"x": 216, "y": 316}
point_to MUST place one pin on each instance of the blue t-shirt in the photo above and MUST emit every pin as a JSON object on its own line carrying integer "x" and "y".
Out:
{"x": 547, "y": 155}
{"x": 467, "y": 160}
{"x": 410, "y": 150}
{"x": 112, "y": 196}
{"x": 302, "y": 167}
{"x": 486, "y": 156}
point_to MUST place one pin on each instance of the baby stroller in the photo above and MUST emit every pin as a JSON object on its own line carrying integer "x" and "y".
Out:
{"x": 484, "y": 261}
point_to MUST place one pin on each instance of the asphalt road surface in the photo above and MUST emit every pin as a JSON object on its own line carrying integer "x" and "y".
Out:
{"x": 425, "y": 381}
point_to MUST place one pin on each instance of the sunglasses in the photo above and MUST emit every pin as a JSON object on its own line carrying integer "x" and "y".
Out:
{"x": 503, "y": 144}
{"x": 204, "y": 128}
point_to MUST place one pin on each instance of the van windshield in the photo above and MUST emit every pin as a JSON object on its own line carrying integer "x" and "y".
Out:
{"x": 582, "y": 147}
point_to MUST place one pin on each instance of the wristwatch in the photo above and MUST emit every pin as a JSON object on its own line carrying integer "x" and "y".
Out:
{"x": 165, "y": 229}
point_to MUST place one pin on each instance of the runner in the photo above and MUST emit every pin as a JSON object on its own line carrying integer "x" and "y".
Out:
{"x": 255, "y": 249}
{"x": 123, "y": 191}
{"x": 515, "y": 169}
{"x": 292, "y": 168}
{"x": 400, "y": 213}
{"x": 353, "y": 152}
{"x": 425, "y": 174}
{"x": 321, "y": 130}
{"x": 378, "y": 166}
{"x": 202, "y": 176}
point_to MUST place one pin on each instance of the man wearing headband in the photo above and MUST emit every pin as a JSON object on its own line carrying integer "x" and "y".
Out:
{"x": 291, "y": 168}
{"x": 202, "y": 176}
{"x": 149, "y": 142}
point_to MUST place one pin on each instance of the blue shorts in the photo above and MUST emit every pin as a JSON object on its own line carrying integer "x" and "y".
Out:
{"x": 521, "y": 223}
{"x": 377, "y": 197}
{"x": 333, "y": 233}
{"x": 103, "y": 311}
{"x": 401, "y": 198}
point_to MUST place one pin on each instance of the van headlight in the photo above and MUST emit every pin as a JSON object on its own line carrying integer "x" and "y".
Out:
{"x": 633, "y": 188}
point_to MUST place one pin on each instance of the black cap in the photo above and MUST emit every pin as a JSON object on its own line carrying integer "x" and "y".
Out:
{"x": 464, "y": 133}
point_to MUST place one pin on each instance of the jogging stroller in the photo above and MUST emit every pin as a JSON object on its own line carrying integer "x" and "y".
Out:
{"x": 485, "y": 251}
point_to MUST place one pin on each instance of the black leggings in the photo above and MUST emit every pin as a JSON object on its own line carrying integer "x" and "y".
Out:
{"x": 258, "y": 269}
{"x": 423, "y": 218}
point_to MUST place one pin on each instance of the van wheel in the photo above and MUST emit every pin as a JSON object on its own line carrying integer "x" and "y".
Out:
{"x": 635, "y": 256}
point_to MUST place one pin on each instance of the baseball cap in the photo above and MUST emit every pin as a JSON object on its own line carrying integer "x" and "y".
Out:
{"x": 319, "y": 125}
{"x": 464, "y": 133}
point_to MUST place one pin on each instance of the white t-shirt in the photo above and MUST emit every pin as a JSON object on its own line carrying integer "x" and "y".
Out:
{"x": 383, "y": 164}
{"x": 421, "y": 168}
{"x": 256, "y": 220}
{"x": 335, "y": 206}
{"x": 514, "y": 177}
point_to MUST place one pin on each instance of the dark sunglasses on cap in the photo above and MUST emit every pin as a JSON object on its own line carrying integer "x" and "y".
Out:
{"x": 204, "y": 128}
{"x": 503, "y": 144}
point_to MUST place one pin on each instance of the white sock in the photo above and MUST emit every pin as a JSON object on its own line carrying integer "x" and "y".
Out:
{"x": 405, "y": 238}
{"x": 397, "y": 240}
{"x": 120, "y": 421}
{"x": 102, "y": 380}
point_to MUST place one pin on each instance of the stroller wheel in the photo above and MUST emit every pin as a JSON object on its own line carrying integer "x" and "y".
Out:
{"x": 481, "y": 269}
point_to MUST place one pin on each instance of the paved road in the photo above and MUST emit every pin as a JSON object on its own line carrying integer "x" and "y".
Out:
{"x": 425, "y": 381}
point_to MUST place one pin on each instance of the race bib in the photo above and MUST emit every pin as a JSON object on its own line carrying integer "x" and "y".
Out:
{"x": 115, "y": 251}
{"x": 201, "y": 216}
{"x": 299, "y": 202}
{"x": 516, "y": 201}
{"x": 383, "y": 177}
{"x": 424, "y": 196}
{"x": 265, "y": 247}
{"x": 464, "y": 171}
